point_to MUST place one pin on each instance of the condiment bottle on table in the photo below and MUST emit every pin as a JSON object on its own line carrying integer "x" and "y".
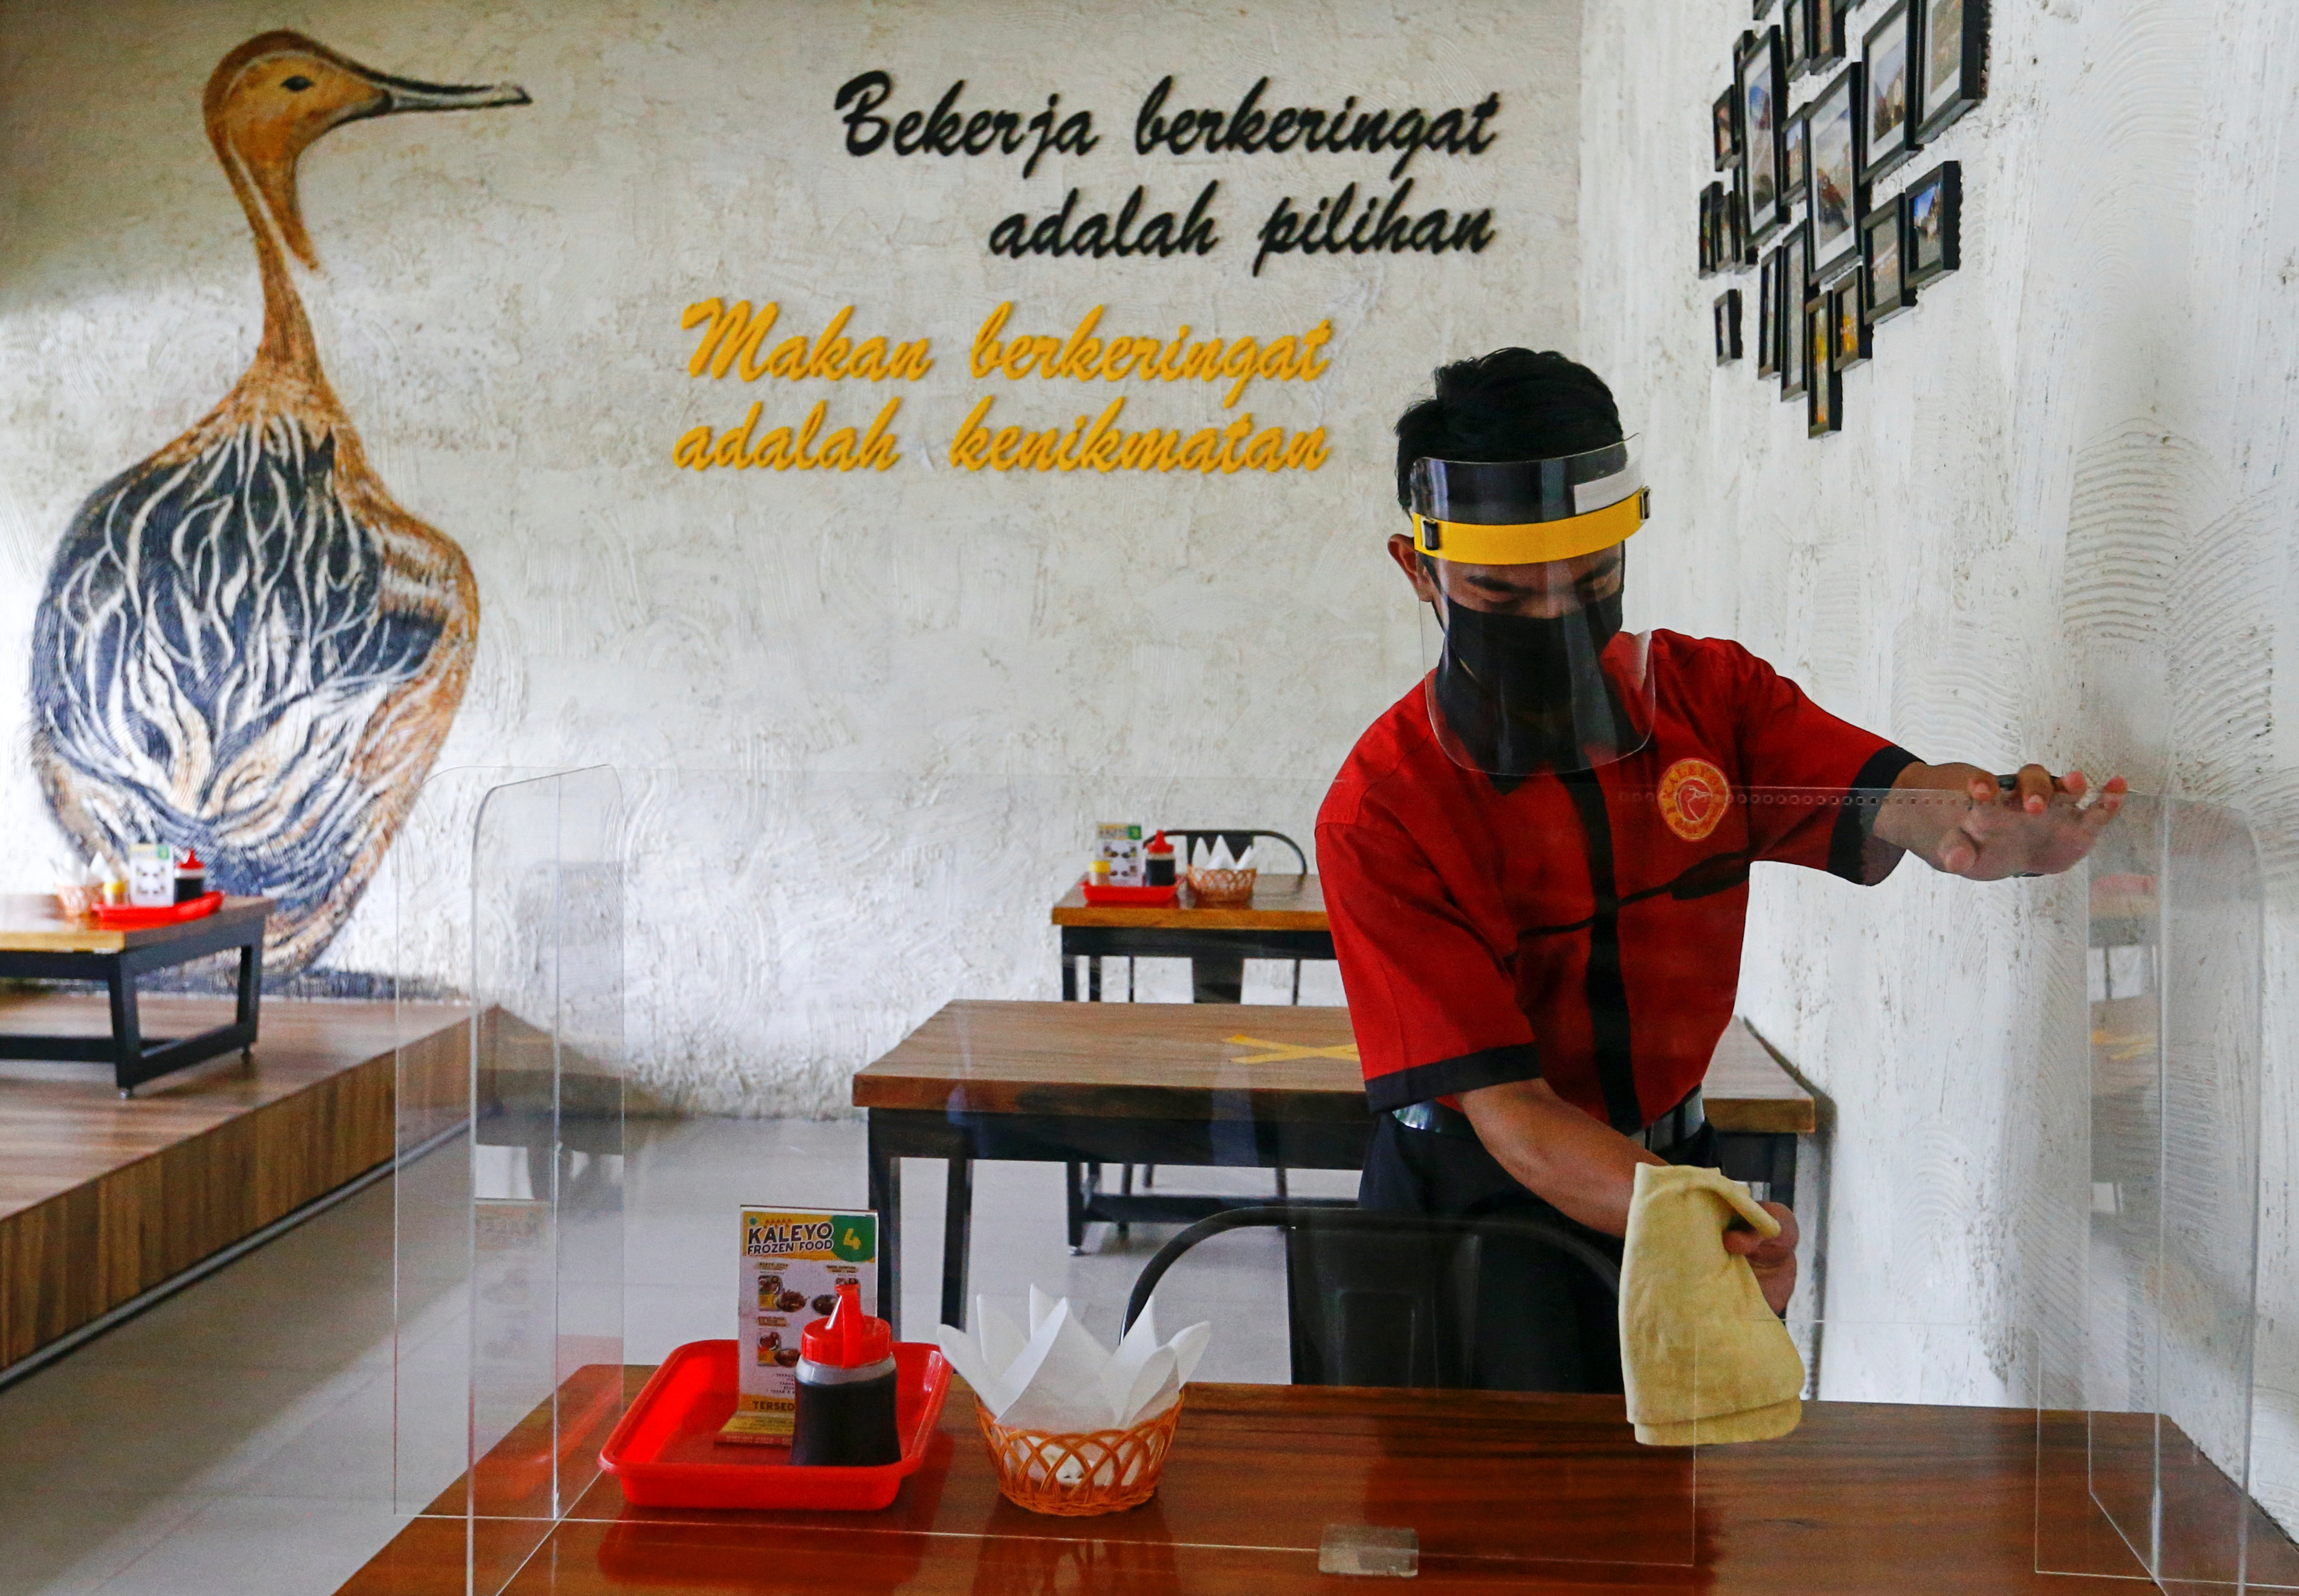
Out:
{"x": 1157, "y": 861}
{"x": 846, "y": 1389}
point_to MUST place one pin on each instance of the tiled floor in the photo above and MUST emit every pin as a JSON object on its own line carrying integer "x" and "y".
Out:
{"x": 239, "y": 1437}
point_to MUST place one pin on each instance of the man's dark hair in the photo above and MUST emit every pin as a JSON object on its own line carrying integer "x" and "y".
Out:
{"x": 1511, "y": 404}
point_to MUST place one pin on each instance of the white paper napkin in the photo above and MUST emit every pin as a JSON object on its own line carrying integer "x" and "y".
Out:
{"x": 1059, "y": 1378}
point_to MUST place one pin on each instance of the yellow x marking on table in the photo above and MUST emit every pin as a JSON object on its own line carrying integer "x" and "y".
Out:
{"x": 1280, "y": 1053}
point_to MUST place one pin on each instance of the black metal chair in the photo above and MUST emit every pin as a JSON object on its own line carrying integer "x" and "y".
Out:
{"x": 1382, "y": 1298}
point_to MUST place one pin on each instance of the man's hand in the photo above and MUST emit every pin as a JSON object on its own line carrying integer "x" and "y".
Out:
{"x": 1774, "y": 1261}
{"x": 1963, "y": 821}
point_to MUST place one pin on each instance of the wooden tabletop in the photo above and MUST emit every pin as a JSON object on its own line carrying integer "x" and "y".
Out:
{"x": 1279, "y": 903}
{"x": 1199, "y": 1060}
{"x": 31, "y": 923}
{"x": 1514, "y": 1492}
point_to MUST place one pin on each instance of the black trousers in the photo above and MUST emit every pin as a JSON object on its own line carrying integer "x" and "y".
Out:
{"x": 1544, "y": 1323}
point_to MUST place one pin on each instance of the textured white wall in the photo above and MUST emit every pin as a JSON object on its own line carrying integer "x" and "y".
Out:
{"x": 2056, "y": 526}
{"x": 1015, "y": 656}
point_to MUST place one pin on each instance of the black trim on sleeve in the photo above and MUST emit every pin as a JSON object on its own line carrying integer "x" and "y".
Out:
{"x": 1424, "y": 1082}
{"x": 1848, "y": 846}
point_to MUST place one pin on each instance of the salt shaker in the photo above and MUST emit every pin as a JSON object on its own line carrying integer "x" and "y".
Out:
{"x": 846, "y": 1389}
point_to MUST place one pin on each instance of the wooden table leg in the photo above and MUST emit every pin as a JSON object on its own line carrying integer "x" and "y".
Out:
{"x": 886, "y": 1202}
{"x": 956, "y": 1226}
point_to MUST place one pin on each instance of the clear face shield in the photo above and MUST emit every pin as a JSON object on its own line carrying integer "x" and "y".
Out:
{"x": 1522, "y": 562}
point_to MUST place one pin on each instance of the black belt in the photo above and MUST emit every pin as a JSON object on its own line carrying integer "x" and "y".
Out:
{"x": 1679, "y": 1124}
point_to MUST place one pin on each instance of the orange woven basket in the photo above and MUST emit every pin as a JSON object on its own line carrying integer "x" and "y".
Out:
{"x": 1074, "y": 1476}
{"x": 1222, "y": 889}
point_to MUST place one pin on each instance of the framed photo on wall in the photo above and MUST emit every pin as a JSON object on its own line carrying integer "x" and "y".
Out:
{"x": 1835, "y": 159}
{"x": 1796, "y": 36}
{"x": 1890, "y": 129}
{"x": 1884, "y": 247}
{"x": 1763, "y": 9}
{"x": 1727, "y": 135}
{"x": 1935, "y": 203}
{"x": 1830, "y": 26}
{"x": 1757, "y": 77}
{"x": 1737, "y": 252}
{"x": 1796, "y": 277}
{"x": 1728, "y": 327}
{"x": 1768, "y": 316}
{"x": 1795, "y": 159}
{"x": 1847, "y": 303}
{"x": 1823, "y": 397}
{"x": 1952, "y": 44}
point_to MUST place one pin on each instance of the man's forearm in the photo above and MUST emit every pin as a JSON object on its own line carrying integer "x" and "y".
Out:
{"x": 1584, "y": 1169}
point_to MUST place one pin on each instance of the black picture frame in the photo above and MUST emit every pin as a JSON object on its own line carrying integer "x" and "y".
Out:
{"x": 1935, "y": 224}
{"x": 1762, "y": 9}
{"x": 1848, "y": 343}
{"x": 1795, "y": 36}
{"x": 1824, "y": 399}
{"x": 1884, "y": 260}
{"x": 1795, "y": 285}
{"x": 1887, "y": 102}
{"x": 1768, "y": 315}
{"x": 1831, "y": 28}
{"x": 1953, "y": 38}
{"x": 1758, "y": 79}
{"x": 1726, "y": 318}
{"x": 1837, "y": 194}
{"x": 1724, "y": 132}
{"x": 1711, "y": 247}
{"x": 1738, "y": 252}
{"x": 1796, "y": 160}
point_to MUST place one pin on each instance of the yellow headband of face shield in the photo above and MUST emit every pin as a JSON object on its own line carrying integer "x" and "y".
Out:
{"x": 1533, "y": 543}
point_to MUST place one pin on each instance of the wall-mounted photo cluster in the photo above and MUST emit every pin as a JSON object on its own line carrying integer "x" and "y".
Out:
{"x": 1795, "y": 193}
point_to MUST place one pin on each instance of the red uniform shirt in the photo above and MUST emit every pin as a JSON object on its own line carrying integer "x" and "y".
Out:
{"x": 1585, "y": 929}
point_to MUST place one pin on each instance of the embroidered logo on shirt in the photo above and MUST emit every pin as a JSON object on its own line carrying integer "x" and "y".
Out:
{"x": 1692, "y": 797}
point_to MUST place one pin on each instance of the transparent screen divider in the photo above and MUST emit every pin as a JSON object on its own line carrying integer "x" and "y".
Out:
{"x": 670, "y": 943}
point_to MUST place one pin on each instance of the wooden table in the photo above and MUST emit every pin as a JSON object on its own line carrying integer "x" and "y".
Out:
{"x": 1505, "y": 1493}
{"x": 1180, "y": 1084}
{"x": 1285, "y": 920}
{"x": 38, "y": 943}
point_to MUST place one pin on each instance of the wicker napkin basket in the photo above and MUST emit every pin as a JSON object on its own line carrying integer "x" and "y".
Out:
{"x": 1076, "y": 1476}
{"x": 1222, "y": 889}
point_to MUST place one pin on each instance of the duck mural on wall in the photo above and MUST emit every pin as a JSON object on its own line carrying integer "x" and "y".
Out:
{"x": 245, "y": 645}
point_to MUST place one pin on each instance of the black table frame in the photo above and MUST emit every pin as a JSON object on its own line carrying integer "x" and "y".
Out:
{"x": 134, "y": 1059}
{"x": 1216, "y": 954}
{"x": 1236, "y": 1140}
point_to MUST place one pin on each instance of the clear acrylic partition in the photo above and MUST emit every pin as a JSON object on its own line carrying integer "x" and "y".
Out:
{"x": 2146, "y": 1404}
{"x": 509, "y": 1353}
{"x": 827, "y": 916}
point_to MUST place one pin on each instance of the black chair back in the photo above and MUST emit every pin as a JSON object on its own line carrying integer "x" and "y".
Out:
{"x": 1239, "y": 840}
{"x": 1383, "y": 1299}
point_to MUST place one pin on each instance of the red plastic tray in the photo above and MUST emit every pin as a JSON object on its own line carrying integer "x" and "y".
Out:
{"x": 1140, "y": 897}
{"x": 130, "y": 917}
{"x": 667, "y": 1452}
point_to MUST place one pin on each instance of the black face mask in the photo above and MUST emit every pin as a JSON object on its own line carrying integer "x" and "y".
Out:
{"x": 1526, "y": 694}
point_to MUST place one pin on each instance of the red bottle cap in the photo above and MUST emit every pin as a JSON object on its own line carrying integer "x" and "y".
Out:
{"x": 849, "y": 1338}
{"x": 1159, "y": 844}
{"x": 192, "y": 860}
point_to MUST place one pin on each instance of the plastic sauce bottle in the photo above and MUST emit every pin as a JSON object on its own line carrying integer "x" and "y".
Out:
{"x": 191, "y": 877}
{"x": 846, "y": 1389}
{"x": 1157, "y": 861}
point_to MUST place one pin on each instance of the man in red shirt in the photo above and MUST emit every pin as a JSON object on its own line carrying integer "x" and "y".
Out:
{"x": 1536, "y": 862}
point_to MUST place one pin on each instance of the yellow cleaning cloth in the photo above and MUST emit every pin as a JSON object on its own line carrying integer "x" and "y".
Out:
{"x": 1703, "y": 1357}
